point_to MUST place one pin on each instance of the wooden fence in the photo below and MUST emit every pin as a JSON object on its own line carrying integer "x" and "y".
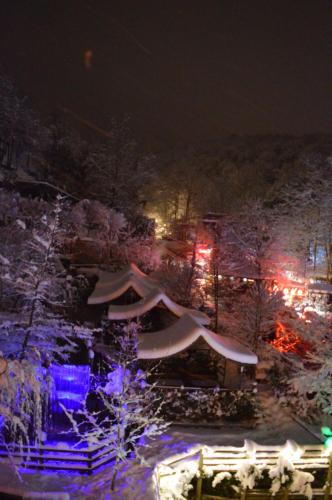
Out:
{"x": 308, "y": 458}
{"x": 84, "y": 460}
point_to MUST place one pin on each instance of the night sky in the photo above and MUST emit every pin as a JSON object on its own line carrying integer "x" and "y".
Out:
{"x": 186, "y": 71}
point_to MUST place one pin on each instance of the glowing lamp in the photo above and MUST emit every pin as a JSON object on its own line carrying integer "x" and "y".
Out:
{"x": 328, "y": 444}
{"x": 327, "y": 433}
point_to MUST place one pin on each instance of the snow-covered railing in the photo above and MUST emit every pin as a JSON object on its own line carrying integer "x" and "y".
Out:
{"x": 189, "y": 388}
{"x": 58, "y": 457}
{"x": 251, "y": 471}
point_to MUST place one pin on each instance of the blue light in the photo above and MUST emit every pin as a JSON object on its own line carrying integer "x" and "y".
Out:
{"x": 71, "y": 385}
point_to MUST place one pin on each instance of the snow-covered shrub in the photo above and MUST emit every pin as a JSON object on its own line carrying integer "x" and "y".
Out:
{"x": 281, "y": 474}
{"x": 177, "y": 483}
{"x": 301, "y": 483}
{"x": 285, "y": 476}
{"x": 248, "y": 474}
{"x": 221, "y": 476}
{"x": 179, "y": 280}
{"x": 205, "y": 404}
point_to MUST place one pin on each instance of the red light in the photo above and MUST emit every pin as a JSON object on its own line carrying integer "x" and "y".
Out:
{"x": 288, "y": 341}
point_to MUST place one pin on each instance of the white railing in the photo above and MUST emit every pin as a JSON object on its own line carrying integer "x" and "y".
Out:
{"x": 205, "y": 462}
{"x": 48, "y": 457}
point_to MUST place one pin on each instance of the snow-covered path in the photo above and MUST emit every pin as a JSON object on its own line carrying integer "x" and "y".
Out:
{"x": 136, "y": 482}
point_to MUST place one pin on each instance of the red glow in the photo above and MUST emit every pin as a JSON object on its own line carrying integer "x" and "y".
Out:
{"x": 287, "y": 340}
{"x": 204, "y": 250}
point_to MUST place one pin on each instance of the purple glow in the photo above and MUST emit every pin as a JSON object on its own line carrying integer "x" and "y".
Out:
{"x": 71, "y": 385}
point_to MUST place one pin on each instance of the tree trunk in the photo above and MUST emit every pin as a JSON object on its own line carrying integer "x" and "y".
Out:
{"x": 216, "y": 293}
{"x": 191, "y": 273}
{"x": 115, "y": 473}
{"x": 315, "y": 254}
{"x": 187, "y": 209}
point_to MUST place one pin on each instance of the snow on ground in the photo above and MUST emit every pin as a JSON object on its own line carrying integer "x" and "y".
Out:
{"x": 136, "y": 482}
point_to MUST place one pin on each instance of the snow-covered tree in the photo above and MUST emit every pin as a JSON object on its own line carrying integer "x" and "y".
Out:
{"x": 305, "y": 223}
{"x": 35, "y": 278}
{"x": 309, "y": 387}
{"x": 301, "y": 375}
{"x": 34, "y": 330}
{"x": 130, "y": 414}
{"x": 247, "y": 248}
{"x": 254, "y": 314}
{"x": 177, "y": 279}
{"x": 248, "y": 243}
{"x": 99, "y": 234}
{"x": 64, "y": 157}
{"x": 117, "y": 171}
{"x": 19, "y": 125}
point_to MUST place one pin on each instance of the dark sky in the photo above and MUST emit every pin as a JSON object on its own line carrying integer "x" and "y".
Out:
{"x": 185, "y": 70}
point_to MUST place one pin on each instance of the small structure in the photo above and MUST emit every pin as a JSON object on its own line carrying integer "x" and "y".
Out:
{"x": 189, "y": 328}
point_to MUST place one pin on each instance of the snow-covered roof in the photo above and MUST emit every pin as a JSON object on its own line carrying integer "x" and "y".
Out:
{"x": 122, "y": 312}
{"x": 112, "y": 285}
{"x": 183, "y": 333}
{"x": 106, "y": 293}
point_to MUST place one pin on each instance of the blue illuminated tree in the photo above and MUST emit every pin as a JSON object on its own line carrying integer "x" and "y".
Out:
{"x": 131, "y": 413}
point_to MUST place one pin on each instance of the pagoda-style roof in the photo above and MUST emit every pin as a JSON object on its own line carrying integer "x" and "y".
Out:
{"x": 182, "y": 334}
{"x": 156, "y": 296}
{"x": 110, "y": 286}
{"x": 189, "y": 327}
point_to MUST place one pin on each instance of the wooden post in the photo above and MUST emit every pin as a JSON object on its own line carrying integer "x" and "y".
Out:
{"x": 244, "y": 494}
{"x": 328, "y": 484}
{"x": 200, "y": 477}
{"x": 285, "y": 494}
{"x": 89, "y": 454}
{"x": 41, "y": 457}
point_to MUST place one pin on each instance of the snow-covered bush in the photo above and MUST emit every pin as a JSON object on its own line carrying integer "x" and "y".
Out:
{"x": 176, "y": 485}
{"x": 281, "y": 474}
{"x": 248, "y": 474}
{"x": 206, "y": 404}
